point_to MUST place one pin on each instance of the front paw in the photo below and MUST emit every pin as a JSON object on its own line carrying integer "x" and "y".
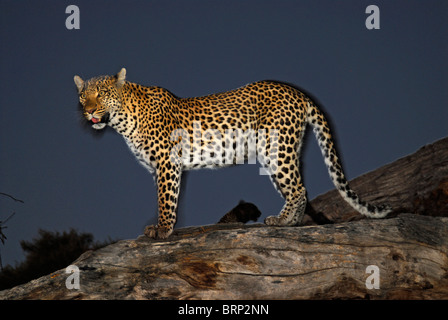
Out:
{"x": 157, "y": 232}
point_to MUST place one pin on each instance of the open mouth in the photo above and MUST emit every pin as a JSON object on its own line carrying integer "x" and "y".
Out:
{"x": 100, "y": 123}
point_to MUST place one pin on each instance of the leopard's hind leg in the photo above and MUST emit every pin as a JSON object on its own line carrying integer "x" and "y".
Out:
{"x": 292, "y": 212}
{"x": 287, "y": 181}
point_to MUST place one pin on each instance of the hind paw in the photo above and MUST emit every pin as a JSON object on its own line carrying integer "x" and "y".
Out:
{"x": 276, "y": 221}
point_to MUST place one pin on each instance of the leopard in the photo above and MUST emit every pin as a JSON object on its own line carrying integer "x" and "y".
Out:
{"x": 242, "y": 213}
{"x": 169, "y": 134}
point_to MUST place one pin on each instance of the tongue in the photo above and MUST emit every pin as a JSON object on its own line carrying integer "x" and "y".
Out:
{"x": 95, "y": 120}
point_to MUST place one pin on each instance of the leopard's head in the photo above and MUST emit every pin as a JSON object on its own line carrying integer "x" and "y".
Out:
{"x": 100, "y": 96}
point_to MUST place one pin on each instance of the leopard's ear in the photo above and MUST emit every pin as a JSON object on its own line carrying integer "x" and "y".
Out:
{"x": 79, "y": 83}
{"x": 121, "y": 77}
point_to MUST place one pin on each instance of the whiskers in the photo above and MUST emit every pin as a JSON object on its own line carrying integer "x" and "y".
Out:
{"x": 86, "y": 124}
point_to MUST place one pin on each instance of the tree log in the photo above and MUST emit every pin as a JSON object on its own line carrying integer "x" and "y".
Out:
{"x": 417, "y": 183}
{"x": 261, "y": 262}
{"x": 402, "y": 257}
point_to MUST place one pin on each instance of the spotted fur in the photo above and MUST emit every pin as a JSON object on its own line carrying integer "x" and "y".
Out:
{"x": 147, "y": 117}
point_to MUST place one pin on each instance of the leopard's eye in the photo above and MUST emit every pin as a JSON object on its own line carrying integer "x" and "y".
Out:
{"x": 101, "y": 93}
{"x": 82, "y": 95}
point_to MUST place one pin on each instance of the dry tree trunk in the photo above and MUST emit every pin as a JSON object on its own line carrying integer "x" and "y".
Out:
{"x": 409, "y": 254}
{"x": 403, "y": 257}
{"x": 417, "y": 183}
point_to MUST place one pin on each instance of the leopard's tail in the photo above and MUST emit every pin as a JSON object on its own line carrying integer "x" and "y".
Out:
{"x": 322, "y": 132}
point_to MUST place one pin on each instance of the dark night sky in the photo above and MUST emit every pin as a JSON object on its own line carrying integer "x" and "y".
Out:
{"x": 384, "y": 90}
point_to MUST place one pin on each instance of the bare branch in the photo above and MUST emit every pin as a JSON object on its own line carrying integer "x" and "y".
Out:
{"x": 10, "y": 196}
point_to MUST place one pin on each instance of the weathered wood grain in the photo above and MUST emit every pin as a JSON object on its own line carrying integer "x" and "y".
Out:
{"x": 260, "y": 262}
{"x": 235, "y": 261}
{"x": 417, "y": 183}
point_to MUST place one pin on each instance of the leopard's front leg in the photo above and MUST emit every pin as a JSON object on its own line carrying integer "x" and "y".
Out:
{"x": 168, "y": 186}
